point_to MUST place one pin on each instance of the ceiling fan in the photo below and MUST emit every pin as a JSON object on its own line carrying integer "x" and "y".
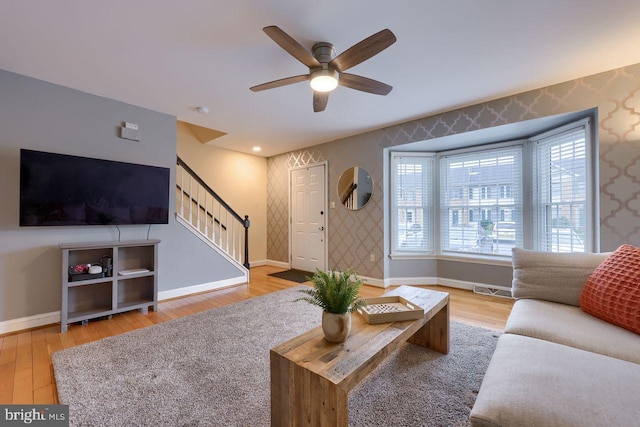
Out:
{"x": 326, "y": 70}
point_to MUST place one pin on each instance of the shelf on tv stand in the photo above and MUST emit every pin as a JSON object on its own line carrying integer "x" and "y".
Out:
{"x": 83, "y": 300}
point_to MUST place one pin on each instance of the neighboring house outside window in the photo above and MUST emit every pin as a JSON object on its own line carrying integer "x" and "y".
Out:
{"x": 505, "y": 191}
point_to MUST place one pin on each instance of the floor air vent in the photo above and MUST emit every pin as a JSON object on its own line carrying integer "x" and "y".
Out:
{"x": 498, "y": 291}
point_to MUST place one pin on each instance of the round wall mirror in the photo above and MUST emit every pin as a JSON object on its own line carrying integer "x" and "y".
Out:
{"x": 355, "y": 188}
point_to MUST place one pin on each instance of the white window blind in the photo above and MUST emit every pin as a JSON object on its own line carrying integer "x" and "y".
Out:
{"x": 488, "y": 218}
{"x": 560, "y": 190}
{"x": 412, "y": 202}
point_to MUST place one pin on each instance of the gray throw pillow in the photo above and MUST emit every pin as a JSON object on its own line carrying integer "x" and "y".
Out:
{"x": 552, "y": 276}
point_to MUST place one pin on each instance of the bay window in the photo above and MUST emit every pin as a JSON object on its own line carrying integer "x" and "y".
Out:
{"x": 488, "y": 202}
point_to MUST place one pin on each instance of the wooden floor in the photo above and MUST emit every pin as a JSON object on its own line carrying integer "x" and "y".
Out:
{"x": 26, "y": 373}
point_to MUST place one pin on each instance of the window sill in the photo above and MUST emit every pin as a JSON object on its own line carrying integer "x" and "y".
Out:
{"x": 476, "y": 259}
{"x": 412, "y": 256}
{"x": 472, "y": 259}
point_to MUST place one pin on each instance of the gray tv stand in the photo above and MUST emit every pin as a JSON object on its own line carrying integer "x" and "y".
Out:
{"x": 132, "y": 286}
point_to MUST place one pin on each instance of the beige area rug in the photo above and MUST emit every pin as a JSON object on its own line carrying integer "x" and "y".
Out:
{"x": 212, "y": 369}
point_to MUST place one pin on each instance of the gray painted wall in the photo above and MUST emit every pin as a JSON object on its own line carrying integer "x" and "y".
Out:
{"x": 43, "y": 116}
{"x": 474, "y": 272}
{"x": 352, "y": 236}
{"x": 464, "y": 271}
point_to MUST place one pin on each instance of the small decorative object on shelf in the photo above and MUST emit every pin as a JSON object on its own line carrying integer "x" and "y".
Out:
{"x": 85, "y": 272}
{"x": 337, "y": 294}
{"x": 107, "y": 264}
{"x": 132, "y": 271}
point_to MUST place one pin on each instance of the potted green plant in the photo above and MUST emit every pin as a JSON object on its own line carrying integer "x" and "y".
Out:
{"x": 337, "y": 294}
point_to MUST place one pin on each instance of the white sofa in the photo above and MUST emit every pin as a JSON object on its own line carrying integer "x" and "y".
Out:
{"x": 556, "y": 365}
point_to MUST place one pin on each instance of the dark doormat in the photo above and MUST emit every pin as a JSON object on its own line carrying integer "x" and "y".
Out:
{"x": 298, "y": 276}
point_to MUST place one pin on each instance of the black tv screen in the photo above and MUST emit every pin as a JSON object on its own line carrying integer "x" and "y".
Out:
{"x": 59, "y": 190}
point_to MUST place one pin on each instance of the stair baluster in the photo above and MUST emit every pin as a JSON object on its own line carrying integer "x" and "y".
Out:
{"x": 227, "y": 227}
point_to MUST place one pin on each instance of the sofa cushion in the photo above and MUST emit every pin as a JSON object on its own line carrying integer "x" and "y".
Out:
{"x": 566, "y": 324}
{"x": 552, "y": 276}
{"x": 530, "y": 382}
{"x": 612, "y": 292}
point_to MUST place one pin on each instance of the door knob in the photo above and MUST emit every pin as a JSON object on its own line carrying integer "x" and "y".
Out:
{"x": 321, "y": 228}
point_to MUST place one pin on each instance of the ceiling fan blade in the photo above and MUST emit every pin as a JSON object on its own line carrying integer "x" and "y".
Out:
{"x": 294, "y": 48}
{"x": 364, "y": 84}
{"x": 320, "y": 100}
{"x": 281, "y": 82}
{"x": 364, "y": 50}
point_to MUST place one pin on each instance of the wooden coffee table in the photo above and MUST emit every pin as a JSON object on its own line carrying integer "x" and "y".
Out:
{"x": 311, "y": 377}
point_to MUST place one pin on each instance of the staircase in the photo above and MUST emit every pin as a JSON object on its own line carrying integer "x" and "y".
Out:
{"x": 203, "y": 212}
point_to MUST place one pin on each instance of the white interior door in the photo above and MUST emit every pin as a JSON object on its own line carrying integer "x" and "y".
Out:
{"x": 308, "y": 213}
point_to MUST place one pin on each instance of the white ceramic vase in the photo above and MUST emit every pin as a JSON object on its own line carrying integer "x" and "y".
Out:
{"x": 336, "y": 327}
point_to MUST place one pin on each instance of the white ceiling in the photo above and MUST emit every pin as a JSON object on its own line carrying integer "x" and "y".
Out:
{"x": 172, "y": 56}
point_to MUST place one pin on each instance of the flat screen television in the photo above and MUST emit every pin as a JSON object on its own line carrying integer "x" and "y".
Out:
{"x": 60, "y": 190}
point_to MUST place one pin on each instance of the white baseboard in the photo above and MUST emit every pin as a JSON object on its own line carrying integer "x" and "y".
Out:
{"x": 399, "y": 281}
{"x": 23, "y": 323}
{"x": 29, "y": 322}
{"x": 258, "y": 263}
{"x": 181, "y": 292}
{"x": 14, "y": 325}
{"x": 431, "y": 281}
{"x": 460, "y": 284}
{"x": 378, "y": 283}
{"x": 273, "y": 263}
{"x": 417, "y": 281}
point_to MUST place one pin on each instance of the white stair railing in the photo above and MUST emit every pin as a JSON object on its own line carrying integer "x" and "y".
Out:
{"x": 210, "y": 216}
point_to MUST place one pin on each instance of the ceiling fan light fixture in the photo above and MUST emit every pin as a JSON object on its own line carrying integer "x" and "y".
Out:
{"x": 324, "y": 80}
{"x": 325, "y": 68}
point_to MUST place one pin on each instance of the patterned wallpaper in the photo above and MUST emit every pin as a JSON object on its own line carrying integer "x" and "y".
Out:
{"x": 355, "y": 235}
